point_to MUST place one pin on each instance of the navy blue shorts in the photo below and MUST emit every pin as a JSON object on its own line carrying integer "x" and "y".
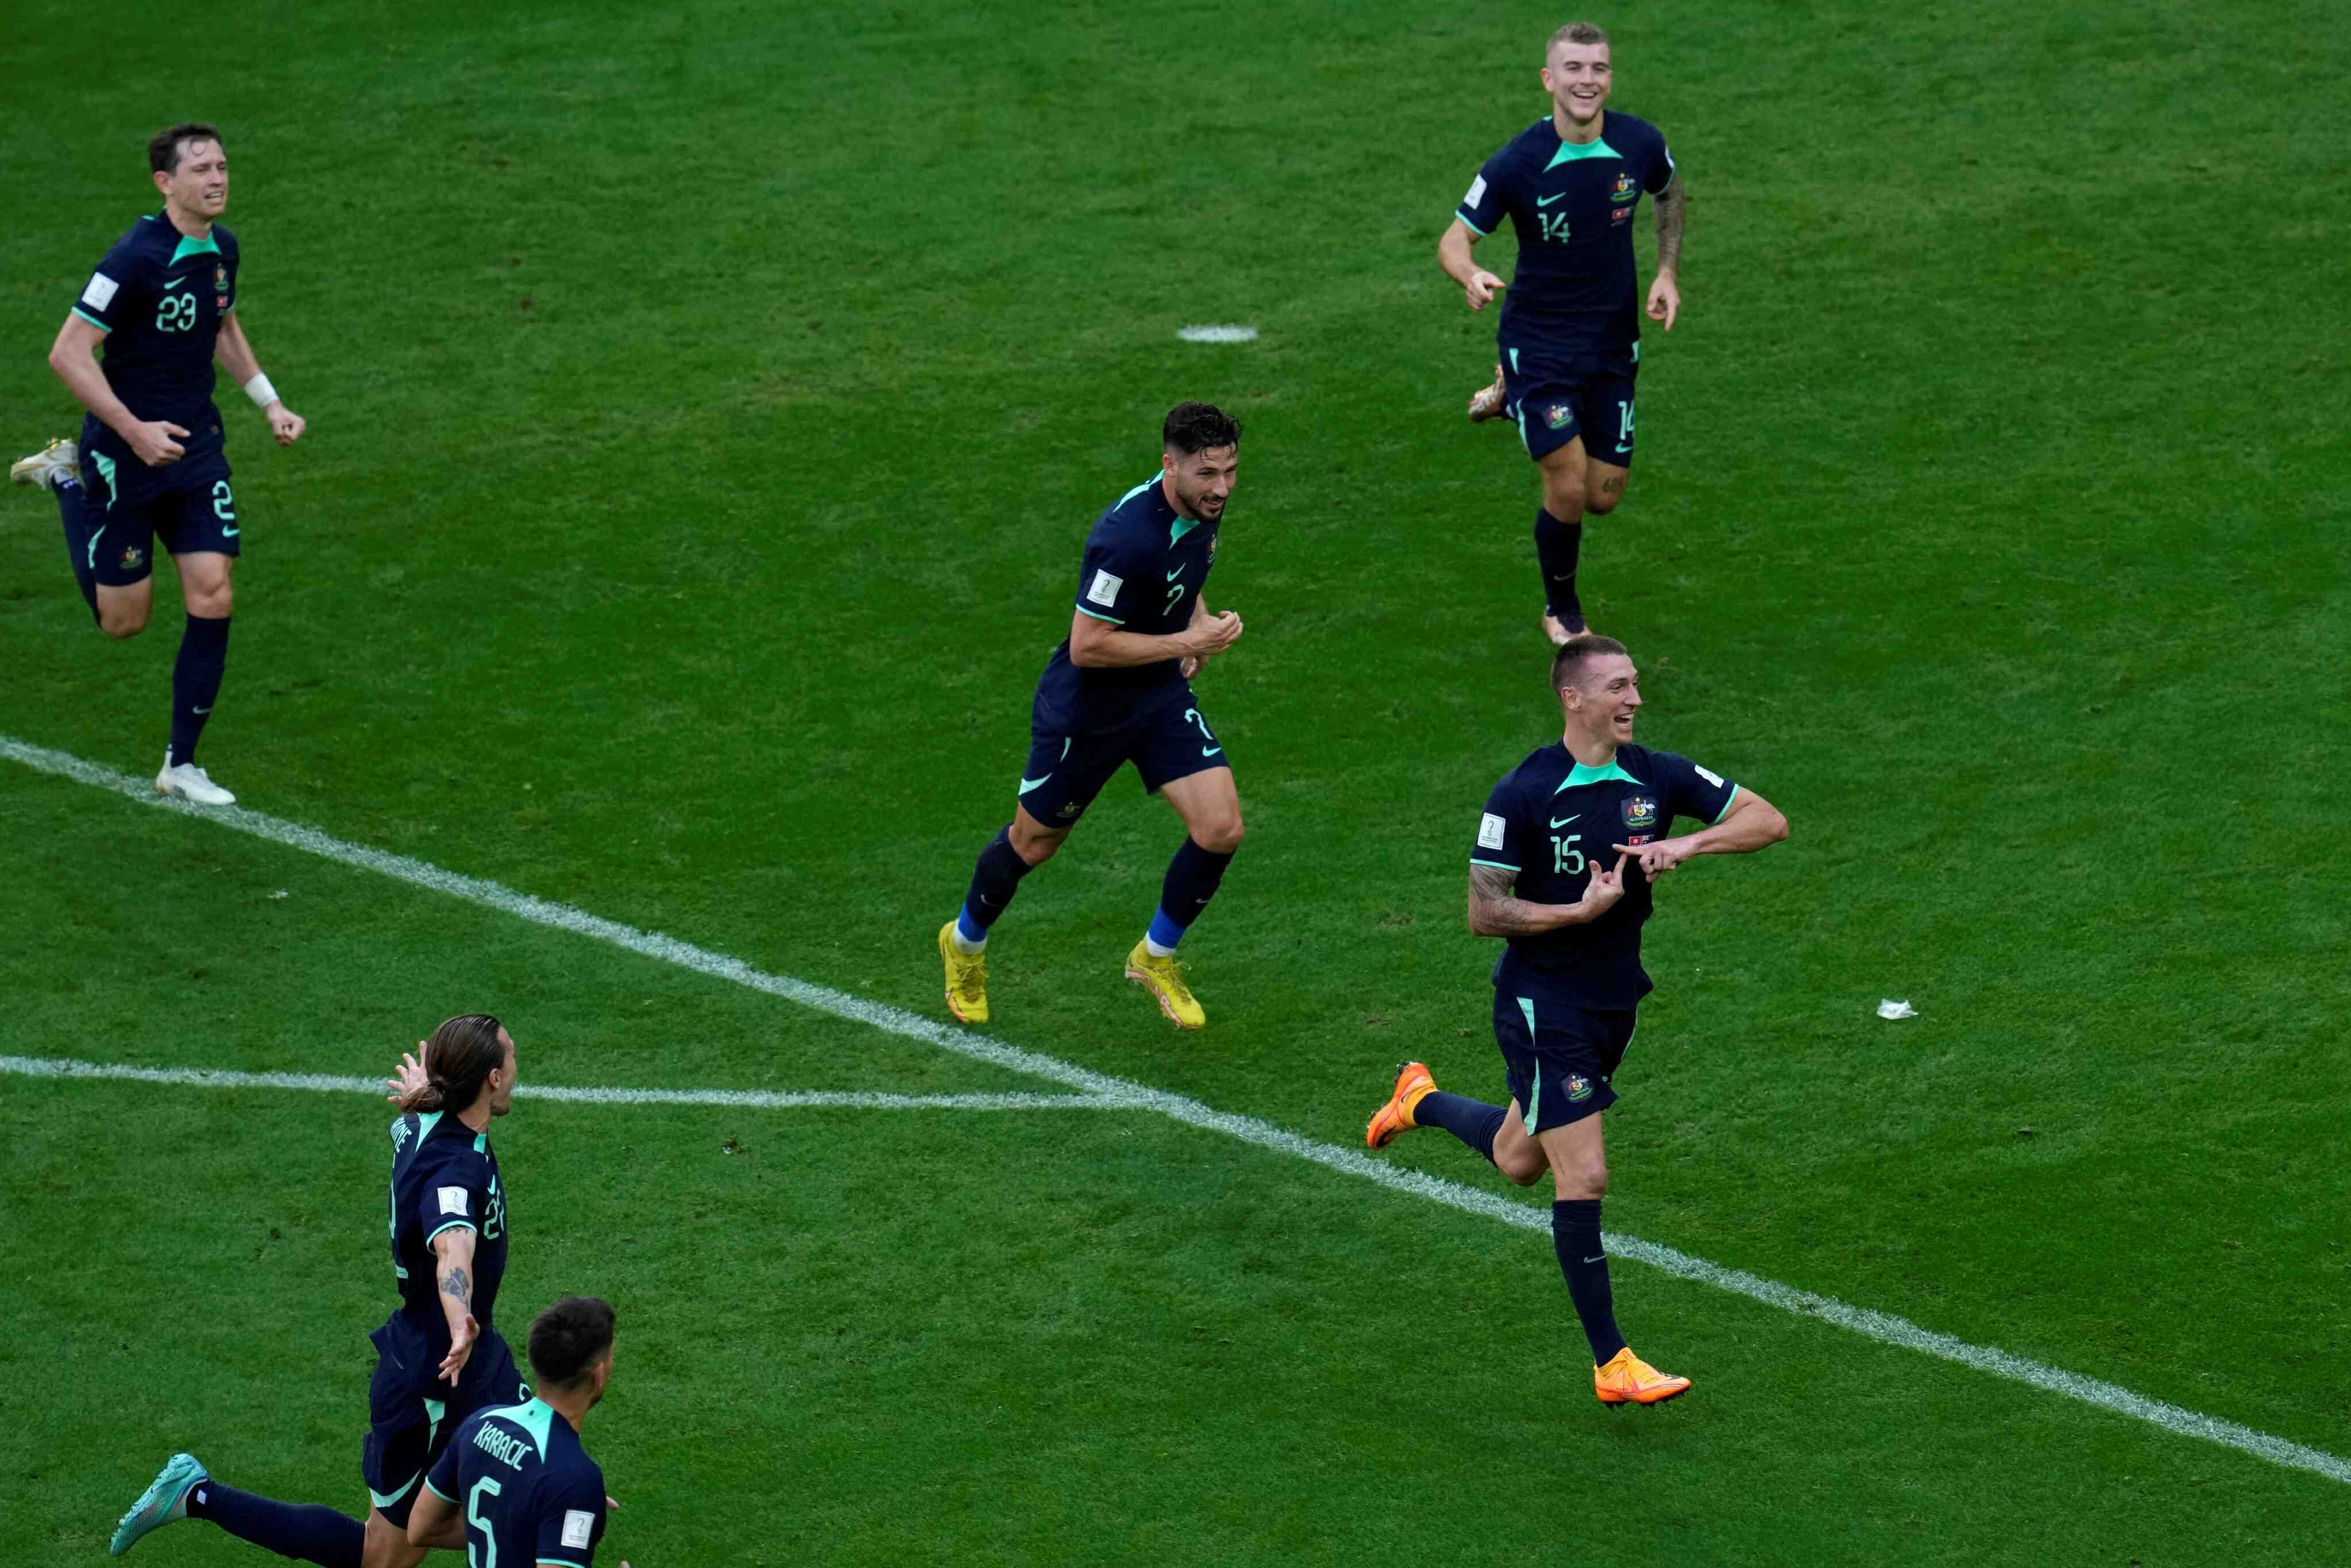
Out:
{"x": 127, "y": 507}
{"x": 1556, "y": 397}
{"x": 409, "y": 1421}
{"x": 1559, "y": 1058}
{"x": 1066, "y": 771}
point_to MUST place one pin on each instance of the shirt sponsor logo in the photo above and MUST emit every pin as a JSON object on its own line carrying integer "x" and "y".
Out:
{"x": 452, "y": 1201}
{"x": 1490, "y": 832}
{"x": 1640, "y": 812}
{"x": 1105, "y": 588}
{"x": 579, "y": 1524}
{"x": 100, "y": 292}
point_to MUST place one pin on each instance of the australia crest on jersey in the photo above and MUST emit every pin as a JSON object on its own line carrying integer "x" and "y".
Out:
{"x": 1624, "y": 187}
{"x": 1579, "y": 1088}
{"x": 1640, "y": 812}
{"x": 131, "y": 556}
{"x": 220, "y": 286}
{"x": 1559, "y": 416}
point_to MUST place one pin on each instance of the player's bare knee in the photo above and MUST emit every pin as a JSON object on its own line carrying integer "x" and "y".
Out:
{"x": 1035, "y": 847}
{"x": 214, "y": 604}
{"x": 1587, "y": 1179}
{"x": 1525, "y": 1169}
{"x": 122, "y": 625}
{"x": 1221, "y": 837}
{"x": 1600, "y": 502}
{"x": 1563, "y": 498}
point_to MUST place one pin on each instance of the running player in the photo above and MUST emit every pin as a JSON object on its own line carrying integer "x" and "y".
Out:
{"x": 1566, "y": 986}
{"x": 439, "y": 1357}
{"x": 1570, "y": 335}
{"x": 514, "y": 1485}
{"x": 1119, "y": 691}
{"x": 151, "y": 463}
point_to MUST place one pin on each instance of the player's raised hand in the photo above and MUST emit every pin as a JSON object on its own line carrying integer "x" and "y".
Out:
{"x": 408, "y": 1077}
{"x": 1604, "y": 889}
{"x": 1480, "y": 289}
{"x": 1216, "y": 635}
{"x": 461, "y": 1347}
{"x": 152, "y": 442}
{"x": 1658, "y": 858}
{"x": 285, "y": 423}
{"x": 1665, "y": 300}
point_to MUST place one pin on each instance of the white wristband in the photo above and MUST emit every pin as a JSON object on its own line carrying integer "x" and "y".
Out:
{"x": 259, "y": 390}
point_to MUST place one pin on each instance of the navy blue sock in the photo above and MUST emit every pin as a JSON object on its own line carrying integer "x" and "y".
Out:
{"x": 311, "y": 1532}
{"x": 1557, "y": 545}
{"x": 1575, "y": 1236}
{"x": 1473, "y": 1122}
{"x": 196, "y": 681}
{"x": 1191, "y": 881}
{"x": 993, "y": 880}
{"x": 85, "y": 571}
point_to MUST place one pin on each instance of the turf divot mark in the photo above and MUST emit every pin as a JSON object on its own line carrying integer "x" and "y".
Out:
{"x": 1106, "y": 1090}
{"x": 739, "y": 1099}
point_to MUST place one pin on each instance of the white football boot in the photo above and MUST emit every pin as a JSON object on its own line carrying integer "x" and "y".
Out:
{"x": 57, "y": 461}
{"x": 188, "y": 782}
{"x": 1486, "y": 402}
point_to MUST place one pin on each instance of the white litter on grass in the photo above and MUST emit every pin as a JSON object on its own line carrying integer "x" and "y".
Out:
{"x": 1887, "y": 1008}
{"x": 1226, "y": 333}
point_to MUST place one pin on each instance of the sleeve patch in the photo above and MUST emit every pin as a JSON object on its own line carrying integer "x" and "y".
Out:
{"x": 1709, "y": 775}
{"x": 577, "y": 1525}
{"x": 100, "y": 292}
{"x": 1105, "y": 588}
{"x": 1490, "y": 832}
{"x": 452, "y": 1201}
{"x": 1477, "y": 191}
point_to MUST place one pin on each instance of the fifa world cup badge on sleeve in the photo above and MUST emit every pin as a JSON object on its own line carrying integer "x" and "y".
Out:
{"x": 1490, "y": 832}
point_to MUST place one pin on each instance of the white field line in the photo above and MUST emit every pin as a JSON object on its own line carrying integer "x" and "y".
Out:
{"x": 745, "y": 1099}
{"x": 1882, "y": 1326}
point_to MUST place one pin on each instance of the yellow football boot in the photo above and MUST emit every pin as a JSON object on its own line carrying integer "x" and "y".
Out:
{"x": 967, "y": 978}
{"x": 1412, "y": 1083}
{"x": 1164, "y": 978}
{"x": 1629, "y": 1380}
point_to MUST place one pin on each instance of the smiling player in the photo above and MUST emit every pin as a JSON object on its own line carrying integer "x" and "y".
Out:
{"x": 1566, "y": 852}
{"x": 1570, "y": 335}
{"x": 151, "y": 463}
{"x": 1119, "y": 691}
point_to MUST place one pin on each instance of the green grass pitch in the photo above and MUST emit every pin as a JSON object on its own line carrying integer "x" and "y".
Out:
{"x": 707, "y": 403}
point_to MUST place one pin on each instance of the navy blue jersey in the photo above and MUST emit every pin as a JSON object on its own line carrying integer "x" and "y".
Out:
{"x": 1573, "y": 207}
{"x": 160, "y": 296}
{"x": 1144, "y": 570}
{"x": 528, "y": 1491}
{"x": 1550, "y": 819}
{"x": 443, "y": 1175}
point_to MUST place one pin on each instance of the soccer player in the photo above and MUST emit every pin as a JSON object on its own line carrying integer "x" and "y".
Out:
{"x": 514, "y": 1485}
{"x": 1570, "y": 334}
{"x": 1566, "y": 854}
{"x": 1118, "y": 691}
{"x": 151, "y": 463}
{"x": 439, "y": 1357}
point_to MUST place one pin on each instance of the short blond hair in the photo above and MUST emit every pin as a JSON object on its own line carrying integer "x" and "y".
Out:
{"x": 1574, "y": 33}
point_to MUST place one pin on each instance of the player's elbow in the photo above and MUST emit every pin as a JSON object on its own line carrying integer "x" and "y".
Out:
{"x": 1775, "y": 829}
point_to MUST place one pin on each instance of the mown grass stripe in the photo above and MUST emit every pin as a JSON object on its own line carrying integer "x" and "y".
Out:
{"x": 1103, "y": 1088}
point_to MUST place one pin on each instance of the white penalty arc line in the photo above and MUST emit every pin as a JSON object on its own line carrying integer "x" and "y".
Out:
{"x": 1118, "y": 1093}
{"x": 745, "y": 1099}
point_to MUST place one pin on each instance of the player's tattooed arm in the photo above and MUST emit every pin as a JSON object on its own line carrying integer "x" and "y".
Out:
{"x": 1494, "y": 913}
{"x": 1673, "y": 211}
{"x": 453, "y": 1251}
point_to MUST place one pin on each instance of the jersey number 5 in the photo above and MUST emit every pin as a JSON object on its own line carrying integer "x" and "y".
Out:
{"x": 489, "y": 1557}
{"x": 175, "y": 313}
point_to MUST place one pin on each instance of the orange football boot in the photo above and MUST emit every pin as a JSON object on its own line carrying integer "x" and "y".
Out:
{"x": 1629, "y": 1380}
{"x": 1412, "y": 1083}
